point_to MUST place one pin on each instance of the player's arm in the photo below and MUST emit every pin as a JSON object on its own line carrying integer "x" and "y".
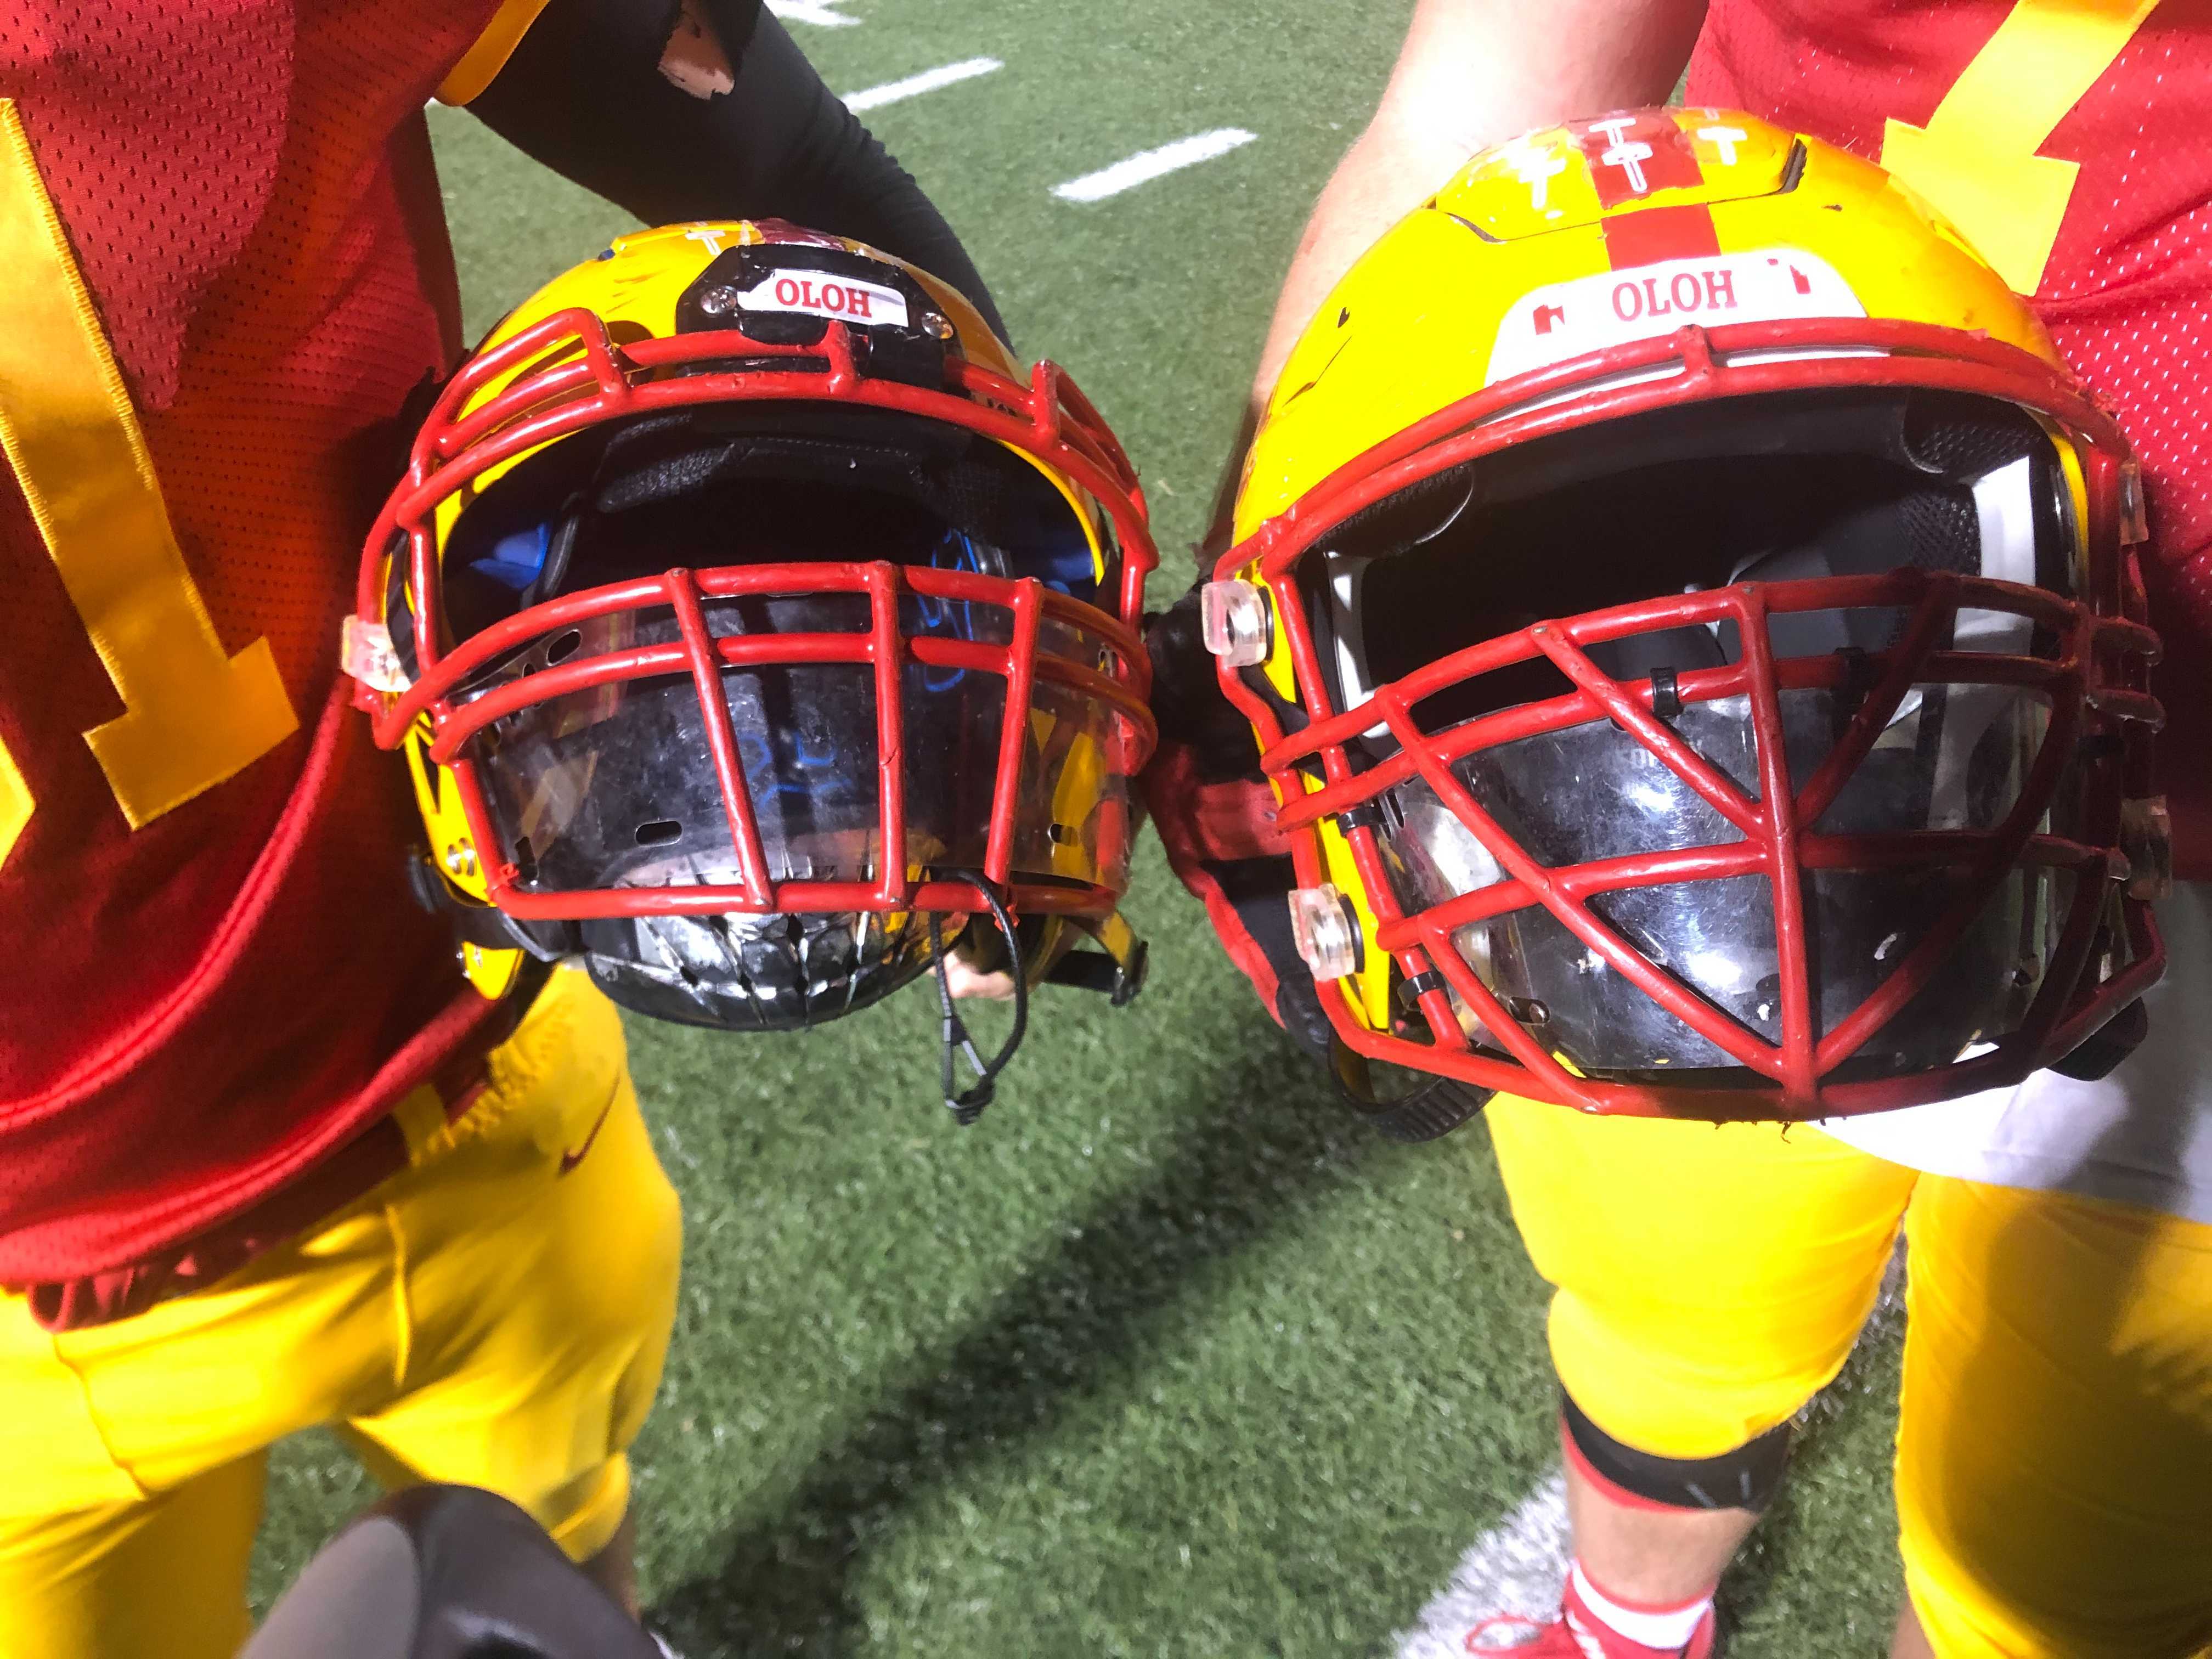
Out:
{"x": 1470, "y": 74}
{"x": 708, "y": 110}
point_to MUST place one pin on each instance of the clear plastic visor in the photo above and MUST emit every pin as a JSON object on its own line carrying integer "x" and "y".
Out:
{"x": 1956, "y": 757}
{"x": 616, "y": 787}
{"x": 1776, "y": 491}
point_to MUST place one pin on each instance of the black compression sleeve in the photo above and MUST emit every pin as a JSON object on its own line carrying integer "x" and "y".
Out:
{"x": 583, "y": 94}
{"x": 1745, "y": 1478}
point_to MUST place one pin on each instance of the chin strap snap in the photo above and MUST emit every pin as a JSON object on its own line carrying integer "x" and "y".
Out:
{"x": 967, "y": 1105}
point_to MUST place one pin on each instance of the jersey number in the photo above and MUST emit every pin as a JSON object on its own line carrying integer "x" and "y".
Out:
{"x": 1976, "y": 159}
{"x": 192, "y": 715}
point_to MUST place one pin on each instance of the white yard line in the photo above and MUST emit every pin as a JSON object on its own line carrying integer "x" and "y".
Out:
{"x": 914, "y": 85}
{"x": 823, "y": 13}
{"x": 1150, "y": 164}
{"x": 1517, "y": 1566}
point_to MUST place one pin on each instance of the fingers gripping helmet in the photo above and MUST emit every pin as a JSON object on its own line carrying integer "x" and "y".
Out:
{"x": 750, "y": 626}
{"x": 1687, "y": 610}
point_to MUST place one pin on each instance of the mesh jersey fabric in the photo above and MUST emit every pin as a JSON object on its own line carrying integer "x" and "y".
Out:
{"x": 194, "y": 1011}
{"x": 2127, "y": 290}
{"x": 2127, "y": 294}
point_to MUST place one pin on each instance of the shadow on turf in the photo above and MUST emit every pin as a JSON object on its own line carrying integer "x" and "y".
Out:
{"x": 1259, "y": 1146}
{"x": 1255, "y": 1152}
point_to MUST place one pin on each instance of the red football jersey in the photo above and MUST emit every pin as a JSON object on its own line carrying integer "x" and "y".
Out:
{"x": 2067, "y": 139}
{"x": 213, "y": 973}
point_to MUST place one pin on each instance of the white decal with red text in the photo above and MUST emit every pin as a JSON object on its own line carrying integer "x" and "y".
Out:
{"x": 1560, "y": 321}
{"x": 817, "y": 294}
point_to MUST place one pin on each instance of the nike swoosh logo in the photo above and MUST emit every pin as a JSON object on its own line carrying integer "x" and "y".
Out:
{"x": 570, "y": 1160}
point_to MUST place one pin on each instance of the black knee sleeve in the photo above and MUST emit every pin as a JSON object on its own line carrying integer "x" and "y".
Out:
{"x": 1745, "y": 1478}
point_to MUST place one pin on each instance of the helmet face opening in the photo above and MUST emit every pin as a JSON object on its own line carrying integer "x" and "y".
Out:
{"x": 748, "y": 686}
{"x": 786, "y": 483}
{"x": 615, "y": 788}
{"x": 1805, "y": 806}
{"x": 1840, "y": 483}
{"x": 1848, "y": 484}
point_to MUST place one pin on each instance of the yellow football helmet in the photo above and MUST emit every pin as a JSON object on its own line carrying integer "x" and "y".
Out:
{"x": 1687, "y": 612}
{"x": 750, "y": 621}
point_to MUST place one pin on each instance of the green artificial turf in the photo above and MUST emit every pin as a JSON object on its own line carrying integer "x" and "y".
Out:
{"x": 1165, "y": 1356}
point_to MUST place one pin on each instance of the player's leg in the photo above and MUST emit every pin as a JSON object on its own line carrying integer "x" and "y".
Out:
{"x": 538, "y": 1243}
{"x": 2054, "y": 1479}
{"x": 518, "y": 1277}
{"x": 1911, "y": 1641}
{"x": 613, "y": 1567}
{"x": 1709, "y": 1280}
{"x": 132, "y": 1452}
{"x": 155, "y": 1577}
{"x": 1658, "y": 1530}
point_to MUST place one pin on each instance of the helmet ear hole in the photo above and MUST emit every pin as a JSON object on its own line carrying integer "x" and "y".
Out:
{"x": 659, "y": 832}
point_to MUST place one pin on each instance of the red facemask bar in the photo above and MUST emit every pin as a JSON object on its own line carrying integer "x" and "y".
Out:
{"x": 1049, "y": 418}
{"x": 2094, "y": 681}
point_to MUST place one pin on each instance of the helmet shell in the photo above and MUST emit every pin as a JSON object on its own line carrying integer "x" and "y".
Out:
{"x": 1482, "y": 282}
{"x": 728, "y": 325}
{"x": 1569, "y": 285}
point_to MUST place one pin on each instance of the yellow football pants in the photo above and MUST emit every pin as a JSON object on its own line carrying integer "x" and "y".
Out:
{"x": 2054, "y": 1455}
{"x": 496, "y": 1314}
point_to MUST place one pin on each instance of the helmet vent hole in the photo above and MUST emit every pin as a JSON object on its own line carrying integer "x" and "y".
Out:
{"x": 562, "y": 648}
{"x": 658, "y": 832}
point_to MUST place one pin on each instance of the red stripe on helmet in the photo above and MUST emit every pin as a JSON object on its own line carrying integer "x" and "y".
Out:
{"x": 1661, "y": 233}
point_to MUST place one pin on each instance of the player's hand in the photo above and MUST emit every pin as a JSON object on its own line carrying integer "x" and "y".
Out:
{"x": 968, "y": 981}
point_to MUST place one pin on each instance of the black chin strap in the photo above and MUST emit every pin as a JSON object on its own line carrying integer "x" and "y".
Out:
{"x": 968, "y": 1105}
{"x": 1433, "y": 1107}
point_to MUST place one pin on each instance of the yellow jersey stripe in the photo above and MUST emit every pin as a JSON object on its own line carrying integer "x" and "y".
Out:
{"x": 481, "y": 65}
